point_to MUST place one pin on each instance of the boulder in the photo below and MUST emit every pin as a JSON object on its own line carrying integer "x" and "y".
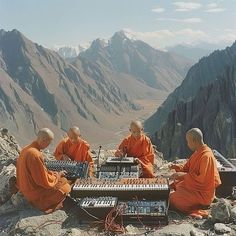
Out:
{"x": 221, "y": 211}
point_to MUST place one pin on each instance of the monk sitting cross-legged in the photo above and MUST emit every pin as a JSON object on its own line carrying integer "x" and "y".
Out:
{"x": 139, "y": 146}
{"x": 74, "y": 148}
{"x": 197, "y": 179}
{"x": 44, "y": 189}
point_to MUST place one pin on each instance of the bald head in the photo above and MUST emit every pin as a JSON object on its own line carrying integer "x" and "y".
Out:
{"x": 196, "y": 134}
{"x": 136, "y": 124}
{"x": 194, "y": 138}
{"x": 74, "y": 134}
{"x": 44, "y": 137}
{"x": 75, "y": 130}
{"x": 136, "y": 128}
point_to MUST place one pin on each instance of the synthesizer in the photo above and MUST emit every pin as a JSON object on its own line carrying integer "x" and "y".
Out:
{"x": 99, "y": 202}
{"x": 92, "y": 208}
{"x": 132, "y": 211}
{"x": 233, "y": 161}
{"x": 227, "y": 173}
{"x": 146, "y": 211}
{"x": 113, "y": 172}
{"x": 74, "y": 169}
{"x": 120, "y": 160}
{"x": 122, "y": 188}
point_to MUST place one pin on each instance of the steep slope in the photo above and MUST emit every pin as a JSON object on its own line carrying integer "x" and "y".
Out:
{"x": 207, "y": 70}
{"x": 151, "y": 67}
{"x": 55, "y": 92}
{"x": 212, "y": 110}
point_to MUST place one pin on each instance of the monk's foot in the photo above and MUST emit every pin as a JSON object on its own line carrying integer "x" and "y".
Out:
{"x": 196, "y": 216}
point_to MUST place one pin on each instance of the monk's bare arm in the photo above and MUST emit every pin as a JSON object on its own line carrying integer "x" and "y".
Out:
{"x": 91, "y": 163}
{"x": 180, "y": 167}
{"x": 120, "y": 152}
{"x": 178, "y": 176}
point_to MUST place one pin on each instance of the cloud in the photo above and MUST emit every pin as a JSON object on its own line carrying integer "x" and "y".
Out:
{"x": 186, "y": 20}
{"x": 229, "y": 36}
{"x": 187, "y": 6}
{"x": 212, "y": 5}
{"x": 214, "y": 8}
{"x": 158, "y": 9}
{"x": 162, "y": 38}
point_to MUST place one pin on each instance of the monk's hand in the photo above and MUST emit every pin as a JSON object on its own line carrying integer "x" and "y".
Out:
{"x": 173, "y": 166}
{"x": 62, "y": 173}
{"x": 119, "y": 153}
{"x": 177, "y": 176}
{"x": 137, "y": 160}
{"x": 65, "y": 158}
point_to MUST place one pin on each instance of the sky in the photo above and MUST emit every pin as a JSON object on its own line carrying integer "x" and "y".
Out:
{"x": 160, "y": 23}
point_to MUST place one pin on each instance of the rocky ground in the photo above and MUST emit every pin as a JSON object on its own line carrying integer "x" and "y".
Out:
{"x": 17, "y": 217}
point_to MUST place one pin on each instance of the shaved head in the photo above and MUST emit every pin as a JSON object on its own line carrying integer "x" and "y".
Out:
{"x": 44, "y": 137}
{"x": 136, "y": 123}
{"x": 74, "y": 134}
{"x": 136, "y": 128}
{"x": 196, "y": 134}
{"x": 194, "y": 139}
{"x": 45, "y": 133}
{"x": 75, "y": 130}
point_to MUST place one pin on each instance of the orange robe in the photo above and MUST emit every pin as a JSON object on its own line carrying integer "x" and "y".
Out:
{"x": 44, "y": 189}
{"x": 142, "y": 149}
{"x": 197, "y": 188}
{"x": 75, "y": 151}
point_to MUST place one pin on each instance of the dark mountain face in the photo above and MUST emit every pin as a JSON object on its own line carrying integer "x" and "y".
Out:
{"x": 213, "y": 110}
{"x": 206, "y": 99}
{"x": 206, "y": 71}
{"x": 157, "y": 69}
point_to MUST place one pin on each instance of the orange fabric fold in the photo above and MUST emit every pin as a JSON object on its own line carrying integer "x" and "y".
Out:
{"x": 197, "y": 189}
{"x": 142, "y": 149}
{"x": 75, "y": 151}
{"x": 44, "y": 189}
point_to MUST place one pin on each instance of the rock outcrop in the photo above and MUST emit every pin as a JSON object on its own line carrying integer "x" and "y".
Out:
{"x": 18, "y": 217}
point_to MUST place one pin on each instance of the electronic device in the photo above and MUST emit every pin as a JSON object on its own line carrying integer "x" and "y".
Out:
{"x": 233, "y": 161}
{"x": 149, "y": 188}
{"x": 145, "y": 211}
{"x": 99, "y": 202}
{"x": 95, "y": 208}
{"x": 132, "y": 211}
{"x": 121, "y": 160}
{"x": 227, "y": 173}
{"x": 73, "y": 169}
{"x": 112, "y": 172}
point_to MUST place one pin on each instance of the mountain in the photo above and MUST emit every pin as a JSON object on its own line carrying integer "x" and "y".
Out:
{"x": 38, "y": 88}
{"x": 70, "y": 52}
{"x": 212, "y": 110}
{"x": 195, "y": 52}
{"x": 67, "y": 52}
{"x": 205, "y": 99}
{"x": 101, "y": 91}
{"x": 156, "y": 69}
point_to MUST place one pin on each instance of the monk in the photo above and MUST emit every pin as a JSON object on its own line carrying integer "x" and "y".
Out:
{"x": 197, "y": 179}
{"x": 74, "y": 148}
{"x": 44, "y": 189}
{"x": 140, "y": 147}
